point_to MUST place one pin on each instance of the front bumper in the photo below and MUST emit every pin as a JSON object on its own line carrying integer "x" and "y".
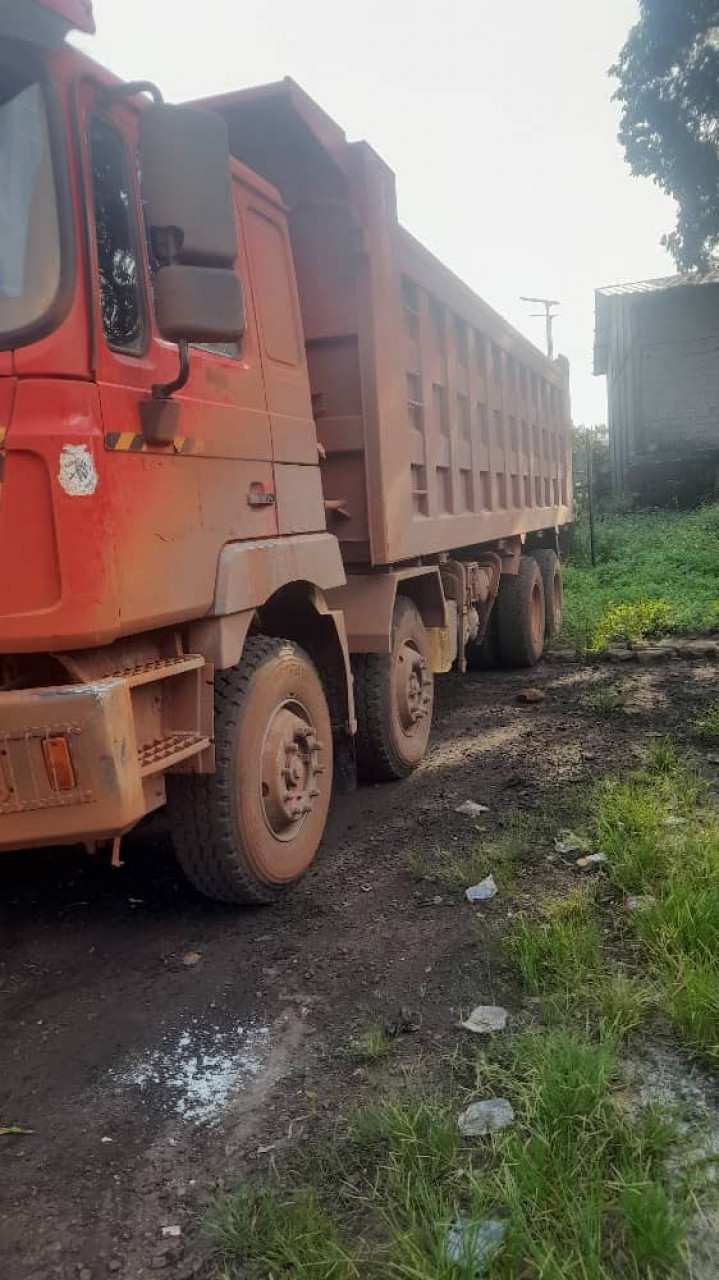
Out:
{"x": 108, "y": 796}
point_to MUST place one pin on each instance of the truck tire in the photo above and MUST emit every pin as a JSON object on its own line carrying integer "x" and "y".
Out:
{"x": 394, "y": 696}
{"x": 551, "y": 571}
{"x": 521, "y": 615}
{"x": 247, "y": 832}
{"x": 485, "y": 655}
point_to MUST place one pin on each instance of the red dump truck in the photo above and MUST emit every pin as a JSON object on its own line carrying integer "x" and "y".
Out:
{"x": 266, "y": 467}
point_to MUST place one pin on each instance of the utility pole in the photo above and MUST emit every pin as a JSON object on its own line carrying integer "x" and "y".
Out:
{"x": 548, "y": 317}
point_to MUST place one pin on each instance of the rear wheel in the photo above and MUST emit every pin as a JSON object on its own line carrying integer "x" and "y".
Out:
{"x": 394, "y": 696}
{"x": 551, "y": 571}
{"x": 484, "y": 656}
{"x": 248, "y": 831}
{"x": 521, "y": 615}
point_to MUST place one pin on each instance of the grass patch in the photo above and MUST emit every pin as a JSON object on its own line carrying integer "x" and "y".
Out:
{"x": 370, "y": 1046}
{"x": 581, "y": 1191}
{"x": 498, "y": 855}
{"x": 279, "y": 1232}
{"x": 561, "y": 957}
{"x": 580, "y": 1186}
{"x": 662, "y": 842}
{"x": 604, "y": 702}
{"x": 562, "y": 948}
{"x": 570, "y": 1176}
{"x": 707, "y": 727}
{"x": 657, "y": 573}
{"x": 451, "y": 869}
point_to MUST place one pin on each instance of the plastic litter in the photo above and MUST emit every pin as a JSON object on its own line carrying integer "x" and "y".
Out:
{"x": 569, "y": 844}
{"x": 483, "y": 891}
{"x": 591, "y": 860}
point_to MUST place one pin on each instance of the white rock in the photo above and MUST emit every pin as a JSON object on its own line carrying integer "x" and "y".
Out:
{"x": 475, "y": 1243}
{"x": 472, "y": 809}
{"x": 485, "y": 1019}
{"x": 485, "y": 1117}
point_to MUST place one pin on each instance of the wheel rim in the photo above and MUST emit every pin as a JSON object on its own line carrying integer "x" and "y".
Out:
{"x": 536, "y": 620}
{"x": 412, "y": 684}
{"x": 291, "y": 770}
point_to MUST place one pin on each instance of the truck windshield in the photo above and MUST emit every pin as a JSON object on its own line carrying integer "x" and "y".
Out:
{"x": 29, "y": 223}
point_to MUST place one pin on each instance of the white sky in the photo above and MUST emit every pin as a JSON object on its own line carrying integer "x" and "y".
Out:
{"x": 496, "y": 117}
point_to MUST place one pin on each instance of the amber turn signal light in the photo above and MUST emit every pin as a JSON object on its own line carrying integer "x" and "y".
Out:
{"x": 59, "y": 764}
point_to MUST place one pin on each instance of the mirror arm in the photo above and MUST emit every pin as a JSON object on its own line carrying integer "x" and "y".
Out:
{"x": 165, "y": 390}
{"x": 116, "y": 92}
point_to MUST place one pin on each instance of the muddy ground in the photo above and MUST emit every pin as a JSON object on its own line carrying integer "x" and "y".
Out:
{"x": 157, "y": 1045}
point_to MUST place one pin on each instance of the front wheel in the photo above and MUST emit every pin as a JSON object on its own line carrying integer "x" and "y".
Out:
{"x": 247, "y": 832}
{"x": 394, "y": 695}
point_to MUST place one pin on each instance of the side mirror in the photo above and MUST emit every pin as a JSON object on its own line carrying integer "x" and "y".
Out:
{"x": 199, "y": 304}
{"x": 186, "y": 186}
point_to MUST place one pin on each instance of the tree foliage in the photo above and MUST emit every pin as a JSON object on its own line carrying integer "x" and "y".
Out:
{"x": 668, "y": 73}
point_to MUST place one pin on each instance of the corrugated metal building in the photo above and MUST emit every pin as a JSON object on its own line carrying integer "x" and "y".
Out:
{"x": 658, "y": 344}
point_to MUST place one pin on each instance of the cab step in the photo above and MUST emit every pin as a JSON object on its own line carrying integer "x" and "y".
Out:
{"x": 157, "y": 756}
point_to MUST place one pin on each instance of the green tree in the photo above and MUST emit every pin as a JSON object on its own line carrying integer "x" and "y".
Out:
{"x": 668, "y": 73}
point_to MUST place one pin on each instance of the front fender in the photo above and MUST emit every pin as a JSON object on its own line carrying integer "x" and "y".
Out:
{"x": 249, "y": 573}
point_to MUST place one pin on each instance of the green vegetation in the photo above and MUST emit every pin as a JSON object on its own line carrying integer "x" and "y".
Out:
{"x": 279, "y": 1232}
{"x": 662, "y": 846}
{"x": 657, "y": 573}
{"x": 561, "y": 957}
{"x": 582, "y": 1184}
{"x": 498, "y": 854}
{"x": 707, "y": 726}
{"x": 588, "y": 1192}
{"x": 370, "y": 1046}
{"x": 604, "y": 702}
{"x": 663, "y": 843}
{"x": 561, "y": 948}
{"x": 581, "y": 1189}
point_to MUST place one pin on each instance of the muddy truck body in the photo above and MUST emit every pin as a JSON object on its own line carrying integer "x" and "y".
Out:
{"x": 267, "y": 468}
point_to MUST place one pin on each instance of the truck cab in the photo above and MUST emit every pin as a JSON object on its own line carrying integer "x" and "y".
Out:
{"x": 268, "y": 467}
{"x": 161, "y": 502}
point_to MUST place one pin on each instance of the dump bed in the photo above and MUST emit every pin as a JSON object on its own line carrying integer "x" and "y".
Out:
{"x": 442, "y": 427}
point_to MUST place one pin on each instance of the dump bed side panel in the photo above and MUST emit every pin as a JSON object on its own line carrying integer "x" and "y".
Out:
{"x": 486, "y": 435}
{"x": 442, "y": 427}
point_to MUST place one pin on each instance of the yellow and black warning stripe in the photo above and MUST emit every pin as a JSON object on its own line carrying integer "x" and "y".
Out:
{"x": 135, "y": 442}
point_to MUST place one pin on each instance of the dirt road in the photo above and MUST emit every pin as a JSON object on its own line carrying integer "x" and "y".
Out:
{"x": 156, "y": 1044}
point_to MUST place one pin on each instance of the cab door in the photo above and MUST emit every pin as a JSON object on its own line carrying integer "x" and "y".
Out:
{"x": 174, "y": 506}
